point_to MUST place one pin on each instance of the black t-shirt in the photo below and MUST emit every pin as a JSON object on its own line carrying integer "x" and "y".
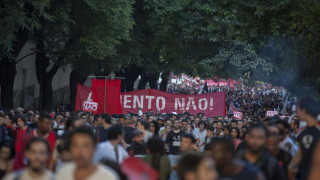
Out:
{"x": 137, "y": 149}
{"x": 173, "y": 140}
{"x": 248, "y": 172}
{"x": 284, "y": 159}
{"x": 267, "y": 164}
{"x": 103, "y": 134}
{"x": 307, "y": 141}
{"x": 128, "y": 134}
{"x": 242, "y": 146}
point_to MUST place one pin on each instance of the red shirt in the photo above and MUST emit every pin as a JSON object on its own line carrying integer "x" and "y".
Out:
{"x": 51, "y": 138}
{"x": 18, "y": 140}
{"x": 19, "y": 159}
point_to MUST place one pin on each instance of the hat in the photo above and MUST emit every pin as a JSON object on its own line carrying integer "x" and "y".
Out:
{"x": 136, "y": 132}
{"x": 134, "y": 114}
{"x": 115, "y": 115}
{"x": 19, "y": 109}
{"x": 122, "y": 116}
{"x": 59, "y": 117}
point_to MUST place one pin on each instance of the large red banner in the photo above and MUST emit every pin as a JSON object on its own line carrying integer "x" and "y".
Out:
{"x": 211, "y": 104}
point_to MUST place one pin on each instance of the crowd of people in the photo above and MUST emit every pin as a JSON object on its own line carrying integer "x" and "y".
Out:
{"x": 82, "y": 146}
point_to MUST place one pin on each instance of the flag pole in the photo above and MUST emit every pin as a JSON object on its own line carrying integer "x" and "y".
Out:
{"x": 105, "y": 94}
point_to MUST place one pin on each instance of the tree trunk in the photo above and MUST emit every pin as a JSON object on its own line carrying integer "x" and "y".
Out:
{"x": 153, "y": 79}
{"x": 75, "y": 78}
{"x": 164, "y": 82}
{"x": 44, "y": 78}
{"x": 8, "y": 70}
{"x": 131, "y": 74}
{"x": 143, "y": 81}
{"x": 8, "y": 73}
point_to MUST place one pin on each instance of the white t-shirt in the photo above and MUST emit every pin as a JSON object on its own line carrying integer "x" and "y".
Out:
{"x": 24, "y": 175}
{"x": 105, "y": 150}
{"x": 200, "y": 135}
{"x": 102, "y": 172}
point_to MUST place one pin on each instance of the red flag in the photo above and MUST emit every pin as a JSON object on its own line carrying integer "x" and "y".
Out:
{"x": 113, "y": 97}
{"x": 82, "y": 95}
{"x": 84, "y": 100}
{"x": 107, "y": 94}
{"x": 136, "y": 169}
{"x": 232, "y": 108}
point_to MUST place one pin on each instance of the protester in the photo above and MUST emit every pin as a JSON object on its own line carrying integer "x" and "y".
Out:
{"x": 295, "y": 127}
{"x": 9, "y": 125}
{"x": 173, "y": 143}
{"x": 157, "y": 158}
{"x": 184, "y": 126}
{"x": 167, "y": 123}
{"x": 104, "y": 122}
{"x": 258, "y": 156}
{"x": 37, "y": 153}
{"x": 286, "y": 142}
{"x": 187, "y": 144}
{"x": 173, "y": 138}
{"x": 20, "y": 132}
{"x": 200, "y": 133}
{"x": 308, "y": 111}
{"x": 143, "y": 127}
{"x": 44, "y": 130}
{"x": 220, "y": 133}
{"x": 235, "y": 135}
{"x": 283, "y": 157}
{"x": 7, "y": 153}
{"x": 166, "y": 132}
{"x": 314, "y": 171}
{"x": 154, "y": 128}
{"x": 207, "y": 139}
{"x": 82, "y": 143}
{"x": 134, "y": 119}
{"x": 138, "y": 147}
{"x": 196, "y": 167}
{"x": 128, "y": 130}
{"x": 111, "y": 149}
{"x": 222, "y": 151}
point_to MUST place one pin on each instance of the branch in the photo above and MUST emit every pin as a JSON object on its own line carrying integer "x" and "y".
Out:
{"x": 26, "y": 56}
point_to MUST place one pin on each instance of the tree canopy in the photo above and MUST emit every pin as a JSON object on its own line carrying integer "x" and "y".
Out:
{"x": 273, "y": 41}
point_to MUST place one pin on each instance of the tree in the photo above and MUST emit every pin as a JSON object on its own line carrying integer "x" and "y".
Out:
{"x": 87, "y": 42}
{"x": 17, "y": 19}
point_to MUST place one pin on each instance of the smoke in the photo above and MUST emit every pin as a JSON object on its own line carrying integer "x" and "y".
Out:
{"x": 291, "y": 66}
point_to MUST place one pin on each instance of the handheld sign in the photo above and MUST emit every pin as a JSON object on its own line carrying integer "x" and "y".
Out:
{"x": 271, "y": 113}
{"x": 237, "y": 115}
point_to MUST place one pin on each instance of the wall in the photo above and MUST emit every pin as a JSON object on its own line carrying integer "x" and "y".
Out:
{"x": 26, "y": 86}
